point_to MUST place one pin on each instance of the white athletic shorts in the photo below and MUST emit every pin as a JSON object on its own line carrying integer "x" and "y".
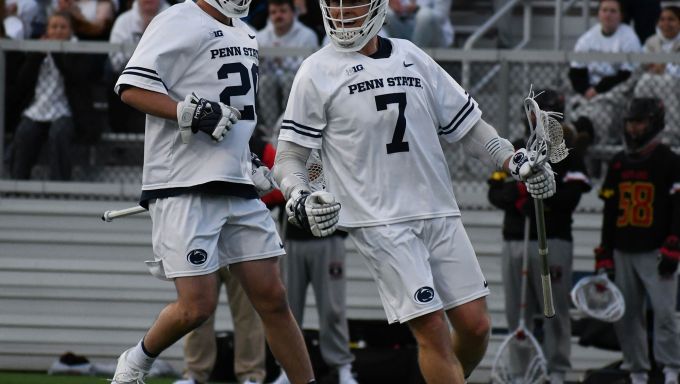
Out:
{"x": 421, "y": 266}
{"x": 197, "y": 234}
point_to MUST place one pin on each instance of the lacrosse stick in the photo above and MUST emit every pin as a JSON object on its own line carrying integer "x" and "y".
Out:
{"x": 108, "y": 216}
{"x": 546, "y": 142}
{"x": 520, "y": 359}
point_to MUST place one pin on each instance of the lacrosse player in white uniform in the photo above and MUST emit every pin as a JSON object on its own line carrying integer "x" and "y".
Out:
{"x": 197, "y": 178}
{"x": 376, "y": 108}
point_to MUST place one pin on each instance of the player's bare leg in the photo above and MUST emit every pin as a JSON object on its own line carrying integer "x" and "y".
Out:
{"x": 470, "y": 336}
{"x": 261, "y": 280}
{"x": 196, "y": 301}
{"x": 437, "y": 362}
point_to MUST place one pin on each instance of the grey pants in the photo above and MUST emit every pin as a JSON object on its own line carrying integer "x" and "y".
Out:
{"x": 321, "y": 262}
{"x": 557, "y": 330}
{"x": 28, "y": 140}
{"x": 637, "y": 277}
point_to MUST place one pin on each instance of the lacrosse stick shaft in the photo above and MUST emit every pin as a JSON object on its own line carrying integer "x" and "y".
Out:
{"x": 108, "y": 216}
{"x": 525, "y": 273}
{"x": 548, "y": 307}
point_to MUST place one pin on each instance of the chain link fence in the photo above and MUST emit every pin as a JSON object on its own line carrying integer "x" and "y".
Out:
{"x": 498, "y": 80}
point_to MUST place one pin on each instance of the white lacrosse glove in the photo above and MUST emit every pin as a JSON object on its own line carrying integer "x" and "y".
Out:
{"x": 317, "y": 213}
{"x": 540, "y": 181}
{"x": 198, "y": 114}
{"x": 261, "y": 176}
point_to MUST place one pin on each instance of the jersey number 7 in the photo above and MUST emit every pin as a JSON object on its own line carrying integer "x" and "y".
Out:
{"x": 381, "y": 101}
{"x": 248, "y": 111}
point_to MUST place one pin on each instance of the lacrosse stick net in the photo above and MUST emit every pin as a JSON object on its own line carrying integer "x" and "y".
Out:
{"x": 317, "y": 182}
{"x": 599, "y": 298}
{"x": 520, "y": 359}
{"x": 545, "y": 143}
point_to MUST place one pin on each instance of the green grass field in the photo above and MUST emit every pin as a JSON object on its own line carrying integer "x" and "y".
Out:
{"x": 41, "y": 378}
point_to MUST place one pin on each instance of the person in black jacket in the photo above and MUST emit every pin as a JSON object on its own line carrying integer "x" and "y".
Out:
{"x": 56, "y": 105}
{"x": 640, "y": 239}
{"x": 506, "y": 193}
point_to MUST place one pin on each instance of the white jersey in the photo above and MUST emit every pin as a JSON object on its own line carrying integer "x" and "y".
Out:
{"x": 377, "y": 123}
{"x": 185, "y": 50}
{"x": 624, "y": 40}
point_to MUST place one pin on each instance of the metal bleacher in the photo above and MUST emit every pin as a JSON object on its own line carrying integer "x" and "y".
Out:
{"x": 70, "y": 282}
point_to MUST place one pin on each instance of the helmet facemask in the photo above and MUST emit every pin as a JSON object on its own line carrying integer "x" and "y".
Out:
{"x": 231, "y": 8}
{"x": 350, "y": 24}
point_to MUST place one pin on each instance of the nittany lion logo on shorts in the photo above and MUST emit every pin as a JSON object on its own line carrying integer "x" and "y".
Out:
{"x": 197, "y": 256}
{"x": 424, "y": 295}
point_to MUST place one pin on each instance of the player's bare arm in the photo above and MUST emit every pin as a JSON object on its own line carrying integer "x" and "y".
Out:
{"x": 193, "y": 114}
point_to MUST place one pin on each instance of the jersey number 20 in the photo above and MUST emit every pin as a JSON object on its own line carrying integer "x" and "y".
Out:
{"x": 248, "y": 111}
{"x": 381, "y": 101}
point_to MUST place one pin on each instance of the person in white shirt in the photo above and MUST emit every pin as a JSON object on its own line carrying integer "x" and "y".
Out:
{"x": 425, "y": 22}
{"x": 376, "y": 109}
{"x": 601, "y": 87}
{"x": 662, "y": 80}
{"x": 277, "y": 73}
{"x": 128, "y": 29}
{"x": 198, "y": 179}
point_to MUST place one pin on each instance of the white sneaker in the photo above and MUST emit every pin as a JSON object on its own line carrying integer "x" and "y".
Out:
{"x": 282, "y": 379}
{"x": 345, "y": 375}
{"x": 557, "y": 378}
{"x": 127, "y": 374}
{"x": 639, "y": 377}
{"x": 670, "y": 376}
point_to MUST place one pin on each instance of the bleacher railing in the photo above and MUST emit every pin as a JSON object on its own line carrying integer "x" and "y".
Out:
{"x": 500, "y": 97}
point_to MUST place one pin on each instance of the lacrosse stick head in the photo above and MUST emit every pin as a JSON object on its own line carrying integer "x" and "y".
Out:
{"x": 599, "y": 298}
{"x": 519, "y": 360}
{"x": 317, "y": 182}
{"x": 546, "y": 138}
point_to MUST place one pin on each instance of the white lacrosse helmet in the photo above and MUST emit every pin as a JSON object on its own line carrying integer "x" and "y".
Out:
{"x": 368, "y": 15}
{"x": 599, "y": 298}
{"x": 231, "y": 8}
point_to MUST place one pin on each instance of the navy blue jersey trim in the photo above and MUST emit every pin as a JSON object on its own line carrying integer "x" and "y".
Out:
{"x": 158, "y": 79}
{"x": 301, "y": 126}
{"x": 142, "y": 69}
{"x": 316, "y": 136}
{"x": 472, "y": 107}
{"x": 469, "y": 100}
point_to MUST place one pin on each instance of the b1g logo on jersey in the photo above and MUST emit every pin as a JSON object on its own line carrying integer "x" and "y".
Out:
{"x": 217, "y": 33}
{"x": 424, "y": 295}
{"x": 354, "y": 69}
{"x": 197, "y": 256}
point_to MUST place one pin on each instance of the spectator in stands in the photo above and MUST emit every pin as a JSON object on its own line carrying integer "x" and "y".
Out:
{"x": 92, "y": 19}
{"x": 200, "y": 347}
{"x": 276, "y": 74}
{"x": 510, "y": 195}
{"x": 601, "y": 86}
{"x": 640, "y": 239}
{"x": 309, "y": 14}
{"x": 28, "y": 13}
{"x": 663, "y": 80}
{"x": 643, "y": 14}
{"x": 425, "y": 22}
{"x": 128, "y": 29}
{"x": 56, "y": 103}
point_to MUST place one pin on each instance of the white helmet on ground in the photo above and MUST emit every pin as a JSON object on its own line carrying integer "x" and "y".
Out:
{"x": 231, "y": 8}
{"x": 599, "y": 298}
{"x": 352, "y": 37}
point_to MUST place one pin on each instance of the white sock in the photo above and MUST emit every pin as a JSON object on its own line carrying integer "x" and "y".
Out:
{"x": 345, "y": 371}
{"x": 638, "y": 377}
{"x": 670, "y": 375}
{"x": 139, "y": 359}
